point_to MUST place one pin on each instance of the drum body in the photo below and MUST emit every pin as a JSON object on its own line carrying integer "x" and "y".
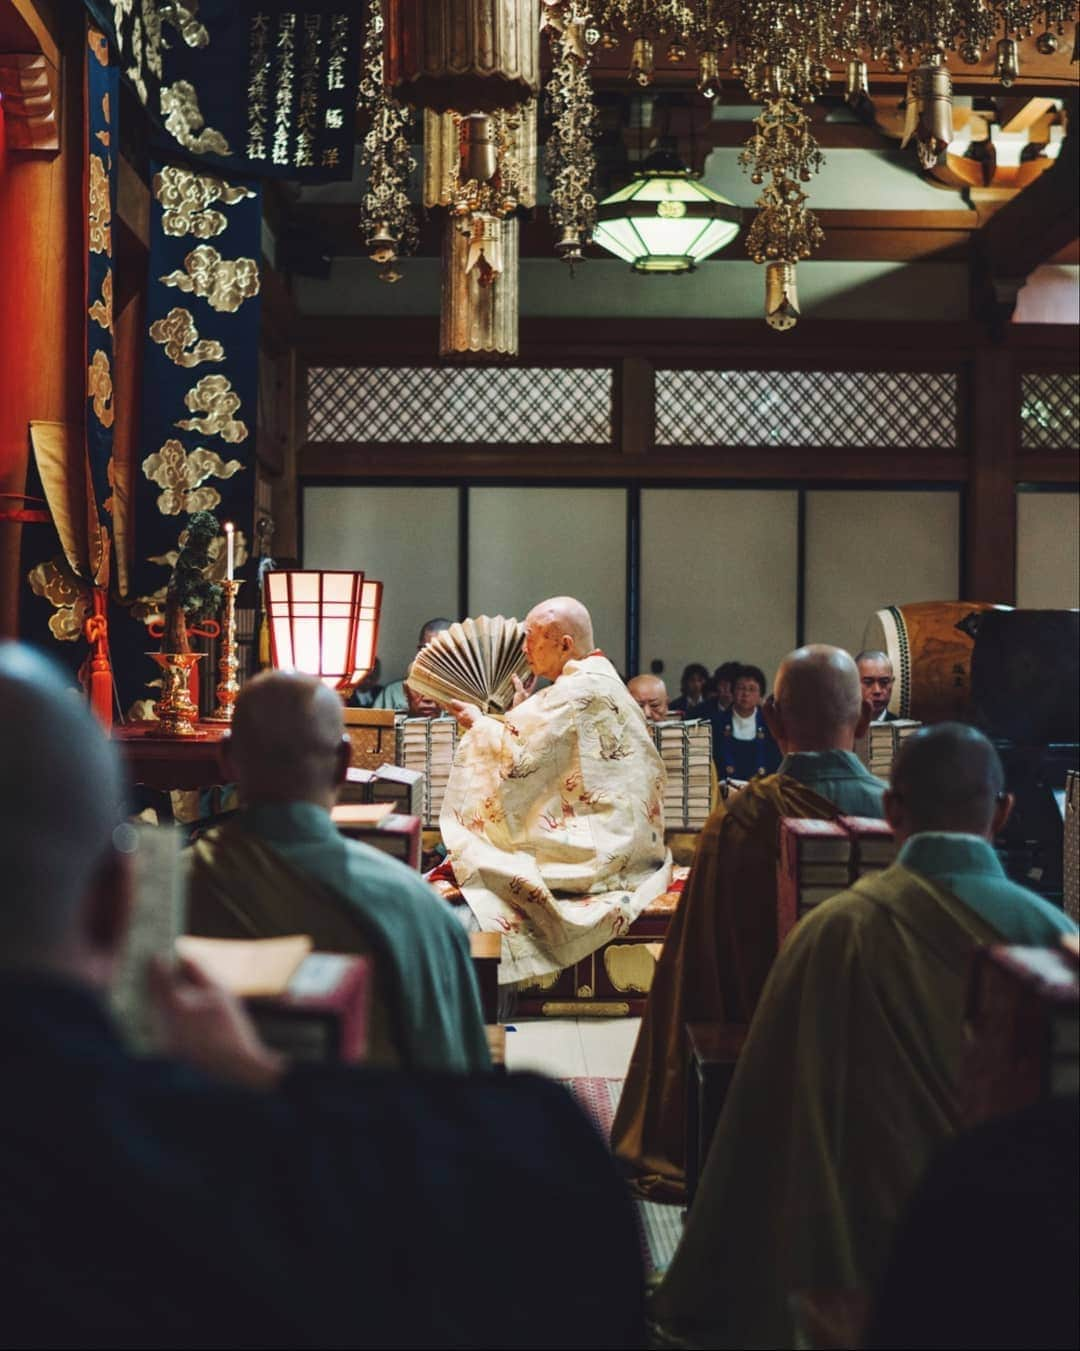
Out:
{"x": 930, "y": 645}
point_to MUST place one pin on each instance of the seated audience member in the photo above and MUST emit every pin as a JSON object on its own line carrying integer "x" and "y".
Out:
{"x": 691, "y": 701}
{"x": 397, "y": 694}
{"x": 368, "y": 690}
{"x": 848, "y": 1082}
{"x": 721, "y": 689}
{"x": 280, "y": 866}
{"x": 722, "y": 939}
{"x": 213, "y": 1195}
{"x": 876, "y": 677}
{"x": 553, "y": 818}
{"x": 743, "y": 746}
{"x": 988, "y": 1251}
{"x": 650, "y": 694}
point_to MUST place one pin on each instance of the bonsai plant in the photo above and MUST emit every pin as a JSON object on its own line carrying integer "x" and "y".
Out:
{"x": 190, "y": 594}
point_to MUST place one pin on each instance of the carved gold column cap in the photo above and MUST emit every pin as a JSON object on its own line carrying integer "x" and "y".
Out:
{"x": 468, "y": 55}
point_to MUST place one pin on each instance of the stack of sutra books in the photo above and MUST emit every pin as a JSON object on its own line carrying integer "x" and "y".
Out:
{"x": 686, "y": 750}
{"x": 877, "y": 749}
{"x": 427, "y": 745}
{"x": 818, "y": 859}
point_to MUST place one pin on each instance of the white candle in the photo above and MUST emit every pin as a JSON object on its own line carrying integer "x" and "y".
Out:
{"x": 229, "y": 554}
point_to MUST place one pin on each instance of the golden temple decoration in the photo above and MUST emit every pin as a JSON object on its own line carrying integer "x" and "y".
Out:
{"x": 387, "y": 219}
{"x": 928, "y": 117}
{"x": 184, "y": 121}
{"x": 99, "y": 388}
{"x": 570, "y": 155}
{"x": 101, "y": 310}
{"x": 465, "y": 55}
{"x": 480, "y": 163}
{"x": 72, "y": 599}
{"x": 225, "y": 283}
{"x": 99, "y": 213}
{"x": 784, "y": 52}
{"x": 183, "y": 477}
{"x": 214, "y": 397}
{"x": 180, "y": 338}
{"x": 479, "y": 313}
{"x": 187, "y": 201}
{"x": 631, "y": 966}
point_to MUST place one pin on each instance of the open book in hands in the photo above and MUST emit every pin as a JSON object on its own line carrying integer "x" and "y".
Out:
{"x": 473, "y": 662}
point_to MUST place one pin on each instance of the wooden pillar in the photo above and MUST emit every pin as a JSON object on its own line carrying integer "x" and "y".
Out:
{"x": 42, "y": 375}
{"x": 993, "y": 419}
{"x": 635, "y": 405}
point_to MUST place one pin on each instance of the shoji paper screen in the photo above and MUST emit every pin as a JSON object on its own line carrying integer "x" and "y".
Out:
{"x": 1047, "y": 554}
{"x": 407, "y": 538}
{"x": 526, "y": 544}
{"x": 866, "y": 550}
{"x": 718, "y": 577}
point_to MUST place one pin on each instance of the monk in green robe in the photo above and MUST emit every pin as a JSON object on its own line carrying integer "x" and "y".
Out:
{"x": 281, "y": 866}
{"x": 848, "y": 1082}
{"x": 722, "y": 939}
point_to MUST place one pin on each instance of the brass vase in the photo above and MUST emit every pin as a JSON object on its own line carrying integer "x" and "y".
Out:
{"x": 176, "y": 712}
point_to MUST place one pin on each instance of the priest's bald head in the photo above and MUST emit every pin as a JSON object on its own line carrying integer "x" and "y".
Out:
{"x": 947, "y": 778}
{"x": 650, "y": 694}
{"x": 65, "y": 894}
{"x": 557, "y": 631}
{"x": 817, "y": 702}
{"x": 288, "y": 741}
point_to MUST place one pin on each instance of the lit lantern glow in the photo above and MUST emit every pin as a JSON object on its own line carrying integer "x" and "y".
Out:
{"x": 665, "y": 221}
{"x": 325, "y": 624}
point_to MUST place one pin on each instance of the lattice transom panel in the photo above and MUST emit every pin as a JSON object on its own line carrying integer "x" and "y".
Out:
{"x": 807, "y": 408}
{"x": 483, "y": 404}
{"x": 1050, "y": 411}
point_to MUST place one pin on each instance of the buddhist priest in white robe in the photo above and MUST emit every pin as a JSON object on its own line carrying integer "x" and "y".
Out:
{"x": 553, "y": 817}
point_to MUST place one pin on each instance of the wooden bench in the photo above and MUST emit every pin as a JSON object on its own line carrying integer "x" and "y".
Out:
{"x": 486, "y": 949}
{"x": 712, "y": 1051}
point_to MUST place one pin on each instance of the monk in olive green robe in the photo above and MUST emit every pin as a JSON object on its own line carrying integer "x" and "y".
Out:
{"x": 722, "y": 940}
{"x": 850, "y": 1078}
{"x": 280, "y": 866}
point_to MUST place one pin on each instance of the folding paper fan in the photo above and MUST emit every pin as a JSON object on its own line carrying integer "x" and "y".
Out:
{"x": 473, "y": 662}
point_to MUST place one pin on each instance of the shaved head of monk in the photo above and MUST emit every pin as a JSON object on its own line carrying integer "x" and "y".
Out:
{"x": 557, "y": 631}
{"x": 817, "y": 702}
{"x": 288, "y": 740}
{"x": 62, "y": 838}
{"x": 948, "y": 778}
{"x": 650, "y": 694}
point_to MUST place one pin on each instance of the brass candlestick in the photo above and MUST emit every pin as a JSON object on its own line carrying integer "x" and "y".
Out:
{"x": 228, "y": 664}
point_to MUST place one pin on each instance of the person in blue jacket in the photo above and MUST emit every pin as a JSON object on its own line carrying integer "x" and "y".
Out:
{"x": 743, "y": 746}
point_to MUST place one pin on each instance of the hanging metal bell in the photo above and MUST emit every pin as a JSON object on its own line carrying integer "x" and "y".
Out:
{"x": 383, "y": 244}
{"x": 1007, "y": 62}
{"x": 858, "y": 83}
{"x": 479, "y": 153}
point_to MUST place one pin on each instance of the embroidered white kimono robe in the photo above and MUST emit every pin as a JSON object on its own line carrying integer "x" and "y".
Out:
{"x": 554, "y": 820}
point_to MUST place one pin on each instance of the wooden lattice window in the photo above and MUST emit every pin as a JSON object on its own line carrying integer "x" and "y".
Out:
{"x": 493, "y": 405}
{"x": 1050, "y": 411}
{"x": 864, "y": 409}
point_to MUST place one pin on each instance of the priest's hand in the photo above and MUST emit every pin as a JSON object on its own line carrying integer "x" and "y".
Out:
{"x": 522, "y": 689}
{"x": 205, "y": 1026}
{"x": 466, "y": 714}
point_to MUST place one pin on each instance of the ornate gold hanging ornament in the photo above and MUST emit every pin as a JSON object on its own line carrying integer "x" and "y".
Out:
{"x": 463, "y": 55}
{"x": 570, "y": 155}
{"x": 387, "y": 217}
{"x": 481, "y": 169}
{"x": 783, "y": 52}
